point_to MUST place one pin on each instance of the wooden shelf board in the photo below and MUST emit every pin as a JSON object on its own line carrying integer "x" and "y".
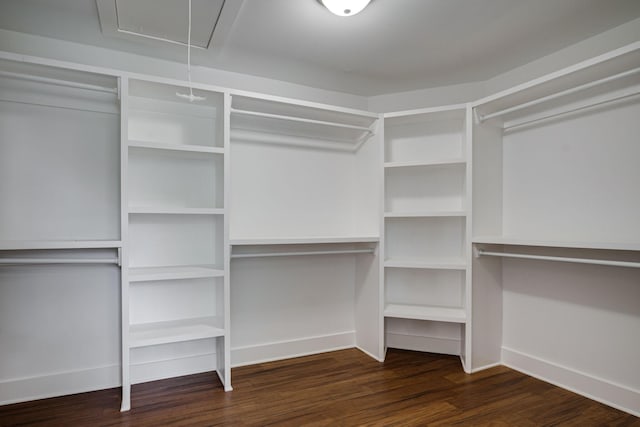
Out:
{"x": 147, "y": 334}
{"x": 303, "y": 240}
{"x": 58, "y": 244}
{"x": 427, "y": 263}
{"x": 454, "y": 161}
{"x": 425, "y": 214}
{"x": 175, "y": 211}
{"x": 502, "y": 240}
{"x": 144, "y": 274}
{"x": 176, "y": 147}
{"x": 418, "y": 312}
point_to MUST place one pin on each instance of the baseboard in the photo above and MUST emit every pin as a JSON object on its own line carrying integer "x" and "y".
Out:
{"x": 371, "y": 355}
{"x": 174, "y": 367}
{"x": 484, "y": 367}
{"x": 59, "y": 384}
{"x": 422, "y": 343}
{"x": 601, "y": 390}
{"x": 250, "y": 355}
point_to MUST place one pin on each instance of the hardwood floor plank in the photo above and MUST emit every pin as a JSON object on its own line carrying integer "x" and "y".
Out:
{"x": 342, "y": 388}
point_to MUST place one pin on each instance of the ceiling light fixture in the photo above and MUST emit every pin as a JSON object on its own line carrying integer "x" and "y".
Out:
{"x": 345, "y": 7}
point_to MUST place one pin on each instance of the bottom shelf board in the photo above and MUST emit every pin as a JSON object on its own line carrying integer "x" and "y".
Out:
{"x": 421, "y": 312}
{"x": 147, "y": 334}
{"x": 147, "y": 274}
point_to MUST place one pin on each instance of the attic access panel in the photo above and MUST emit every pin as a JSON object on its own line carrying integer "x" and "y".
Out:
{"x": 164, "y": 20}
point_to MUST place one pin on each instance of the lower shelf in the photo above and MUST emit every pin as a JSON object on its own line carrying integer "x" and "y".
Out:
{"x": 421, "y": 312}
{"x": 147, "y": 334}
{"x": 146, "y": 274}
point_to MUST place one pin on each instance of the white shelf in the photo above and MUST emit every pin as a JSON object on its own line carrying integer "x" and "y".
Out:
{"x": 58, "y": 244}
{"x": 501, "y": 240}
{"x": 175, "y": 211}
{"x": 176, "y": 147}
{"x": 425, "y": 214}
{"x": 303, "y": 240}
{"x": 456, "y": 161}
{"x": 145, "y": 274}
{"x": 430, "y": 263}
{"x": 148, "y": 334}
{"x": 418, "y": 312}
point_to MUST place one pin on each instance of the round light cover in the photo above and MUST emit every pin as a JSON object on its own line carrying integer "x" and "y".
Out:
{"x": 345, "y": 7}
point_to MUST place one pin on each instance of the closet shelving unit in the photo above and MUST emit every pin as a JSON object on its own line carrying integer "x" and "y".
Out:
{"x": 555, "y": 229}
{"x": 60, "y": 231}
{"x": 426, "y": 228}
{"x": 177, "y": 228}
{"x": 304, "y": 199}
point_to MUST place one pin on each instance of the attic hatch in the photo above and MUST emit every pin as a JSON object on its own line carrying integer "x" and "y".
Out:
{"x": 161, "y": 20}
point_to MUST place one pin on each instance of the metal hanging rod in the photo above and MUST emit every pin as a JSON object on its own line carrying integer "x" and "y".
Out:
{"x": 57, "y": 82}
{"x": 16, "y": 261}
{"x": 631, "y": 264}
{"x": 522, "y": 123}
{"x": 302, "y": 253}
{"x": 300, "y": 119}
{"x": 537, "y": 101}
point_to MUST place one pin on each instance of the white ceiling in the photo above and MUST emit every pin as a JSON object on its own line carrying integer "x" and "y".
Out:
{"x": 392, "y": 46}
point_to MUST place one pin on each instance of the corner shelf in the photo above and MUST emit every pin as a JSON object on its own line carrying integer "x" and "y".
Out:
{"x": 146, "y": 274}
{"x": 148, "y": 334}
{"x": 432, "y": 313}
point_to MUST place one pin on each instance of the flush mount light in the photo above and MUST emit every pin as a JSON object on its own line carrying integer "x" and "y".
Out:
{"x": 345, "y": 7}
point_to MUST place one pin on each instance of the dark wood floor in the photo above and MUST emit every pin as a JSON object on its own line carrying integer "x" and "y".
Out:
{"x": 341, "y": 388}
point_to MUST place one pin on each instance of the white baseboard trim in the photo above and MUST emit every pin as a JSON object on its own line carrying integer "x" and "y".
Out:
{"x": 174, "y": 367}
{"x": 421, "y": 343}
{"x": 59, "y": 384}
{"x": 604, "y": 391}
{"x": 268, "y": 352}
{"x": 371, "y": 355}
{"x": 485, "y": 367}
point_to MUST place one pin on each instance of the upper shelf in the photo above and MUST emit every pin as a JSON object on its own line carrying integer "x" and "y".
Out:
{"x": 303, "y": 240}
{"x": 176, "y": 147}
{"x": 502, "y": 240}
{"x": 600, "y": 80}
{"x": 58, "y": 244}
{"x": 257, "y": 119}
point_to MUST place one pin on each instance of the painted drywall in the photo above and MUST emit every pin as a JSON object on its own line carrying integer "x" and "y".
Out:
{"x": 26, "y": 44}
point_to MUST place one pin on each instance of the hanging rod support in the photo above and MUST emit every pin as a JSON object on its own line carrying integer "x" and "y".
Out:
{"x": 631, "y": 264}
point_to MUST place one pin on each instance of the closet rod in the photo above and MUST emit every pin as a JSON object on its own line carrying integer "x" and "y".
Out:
{"x": 15, "y": 261}
{"x": 299, "y": 253}
{"x": 300, "y": 119}
{"x": 559, "y": 94}
{"x": 561, "y": 259}
{"x": 570, "y": 110}
{"x": 57, "y": 82}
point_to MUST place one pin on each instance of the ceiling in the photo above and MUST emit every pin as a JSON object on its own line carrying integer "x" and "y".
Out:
{"x": 392, "y": 46}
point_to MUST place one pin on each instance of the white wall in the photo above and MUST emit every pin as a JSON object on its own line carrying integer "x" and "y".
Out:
{"x": 27, "y": 44}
